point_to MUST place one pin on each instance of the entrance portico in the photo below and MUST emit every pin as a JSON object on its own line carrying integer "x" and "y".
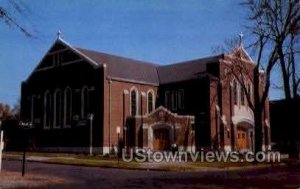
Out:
{"x": 160, "y": 129}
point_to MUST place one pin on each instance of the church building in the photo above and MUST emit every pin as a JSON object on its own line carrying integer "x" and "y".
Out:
{"x": 76, "y": 98}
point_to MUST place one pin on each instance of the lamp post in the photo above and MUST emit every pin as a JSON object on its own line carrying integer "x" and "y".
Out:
{"x": 118, "y": 132}
{"x": 91, "y": 117}
{"x": 25, "y": 126}
{"x": 124, "y": 117}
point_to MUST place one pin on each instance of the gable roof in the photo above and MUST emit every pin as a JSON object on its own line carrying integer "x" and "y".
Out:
{"x": 124, "y": 68}
{"x": 130, "y": 70}
{"x": 184, "y": 71}
{"x": 241, "y": 53}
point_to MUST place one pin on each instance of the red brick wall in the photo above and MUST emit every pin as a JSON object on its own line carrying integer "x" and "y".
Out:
{"x": 118, "y": 103}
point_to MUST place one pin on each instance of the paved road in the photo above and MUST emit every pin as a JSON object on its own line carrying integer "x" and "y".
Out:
{"x": 87, "y": 177}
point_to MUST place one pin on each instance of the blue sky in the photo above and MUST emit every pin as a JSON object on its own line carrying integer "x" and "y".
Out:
{"x": 159, "y": 31}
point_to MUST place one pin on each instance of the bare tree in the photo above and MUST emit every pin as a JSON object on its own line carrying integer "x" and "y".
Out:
{"x": 269, "y": 36}
{"x": 272, "y": 24}
{"x": 227, "y": 47}
{"x": 5, "y": 112}
{"x": 293, "y": 69}
{"x": 279, "y": 23}
{"x": 8, "y": 15}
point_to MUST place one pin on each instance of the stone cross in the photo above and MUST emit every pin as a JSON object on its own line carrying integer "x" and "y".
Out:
{"x": 241, "y": 35}
{"x": 58, "y": 34}
{"x": 1, "y": 148}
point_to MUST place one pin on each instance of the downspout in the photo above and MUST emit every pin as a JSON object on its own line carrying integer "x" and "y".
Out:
{"x": 109, "y": 128}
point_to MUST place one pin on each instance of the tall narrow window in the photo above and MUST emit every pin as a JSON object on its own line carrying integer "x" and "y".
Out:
{"x": 235, "y": 94}
{"x": 67, "y": 107}
{"x": 57, "y": 109}
{"x": 133, "y": 101}
{"x": 150, "y": 102}
{"x": 47, "y": 110}
{"x": 32, "y": 109}
{"x": 242, "y": 93}
{"x": 181, "y": 99}
{"x": 84, "y": 102}
{"x": 168, "y": 99}
{"x": 249, "y": 92}
{"x": 174, "y": 100}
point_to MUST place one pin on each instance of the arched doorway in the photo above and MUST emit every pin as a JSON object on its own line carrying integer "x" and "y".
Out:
{"x": 244, "y": 136}
{"x": 161, "y": 140}
{"x": 162, "y": 137}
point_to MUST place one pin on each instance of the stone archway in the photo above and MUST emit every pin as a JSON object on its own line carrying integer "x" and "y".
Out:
{"x": 161, "y": 137}
{"x": 244, "y": 136}
{"x": 160, "y": 129}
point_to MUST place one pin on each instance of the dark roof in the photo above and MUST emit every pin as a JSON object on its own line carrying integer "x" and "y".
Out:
{"x": 125, "y": 68}
{"x": 149, "y": 73}
{"x": 185, "y": 70}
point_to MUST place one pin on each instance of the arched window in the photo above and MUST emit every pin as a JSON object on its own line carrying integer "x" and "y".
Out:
{"x": 235, "y": 94}
{"x": 67, "y": 107}
{"x": 150, "y": 101}
{"x": 242, "y": 94}
{"x": 57, "y": 109}
{"x": 32, "y": 109}
{"x": 133, "y": 102}
{"x": 47, "y": 110}
{"x": 84, "y": 102}
{"x": 249, "y": 92}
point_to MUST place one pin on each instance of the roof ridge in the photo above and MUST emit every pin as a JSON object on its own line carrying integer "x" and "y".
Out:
{"x": 194, "y": 60}
{"x": 117, "y": 56}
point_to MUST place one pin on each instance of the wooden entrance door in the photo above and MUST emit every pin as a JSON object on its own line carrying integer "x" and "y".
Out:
{"x": 161, "y": 139}
{"x": 242, "y": 138}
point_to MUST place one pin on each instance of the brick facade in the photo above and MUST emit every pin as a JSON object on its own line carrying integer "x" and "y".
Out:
{"x": 190, "y": 104}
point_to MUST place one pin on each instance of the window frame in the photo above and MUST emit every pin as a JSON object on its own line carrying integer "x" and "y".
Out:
{"x": 134, "y": 89}
{"x": 65, "y": 125}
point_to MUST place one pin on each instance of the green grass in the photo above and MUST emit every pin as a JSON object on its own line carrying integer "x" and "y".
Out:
{"x": 95, "y": 163}
{"x": 112, "y": 162}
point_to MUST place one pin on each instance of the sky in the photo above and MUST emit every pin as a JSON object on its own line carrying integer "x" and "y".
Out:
{"x": 158, "y": 31}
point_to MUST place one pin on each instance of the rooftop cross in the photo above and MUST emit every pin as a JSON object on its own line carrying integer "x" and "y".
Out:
{"x": 58, "y": 34}
{"x": 241, "y": 35}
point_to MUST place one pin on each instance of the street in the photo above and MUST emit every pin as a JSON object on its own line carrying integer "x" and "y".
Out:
{"x": 90, "y": 177}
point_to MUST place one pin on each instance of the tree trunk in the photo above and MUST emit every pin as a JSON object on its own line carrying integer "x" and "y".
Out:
{"x": 285, "y": 76}
{"x": 257, "y": 110}
{"x": 258, "y": 129}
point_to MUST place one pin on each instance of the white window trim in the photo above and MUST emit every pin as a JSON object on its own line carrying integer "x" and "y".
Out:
{"x": 82, "y": 100}
{"x": 45, "y": 109}
{"x": 137, "y": 100}
{"x": 56, "y": 125}
{"x": 65, "y": 106}
{"x": 153, "y": 100}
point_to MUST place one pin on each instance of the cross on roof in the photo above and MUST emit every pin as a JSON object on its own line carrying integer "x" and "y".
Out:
{"x": 58, "y": 34}
{"x": 241, "y": 35}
